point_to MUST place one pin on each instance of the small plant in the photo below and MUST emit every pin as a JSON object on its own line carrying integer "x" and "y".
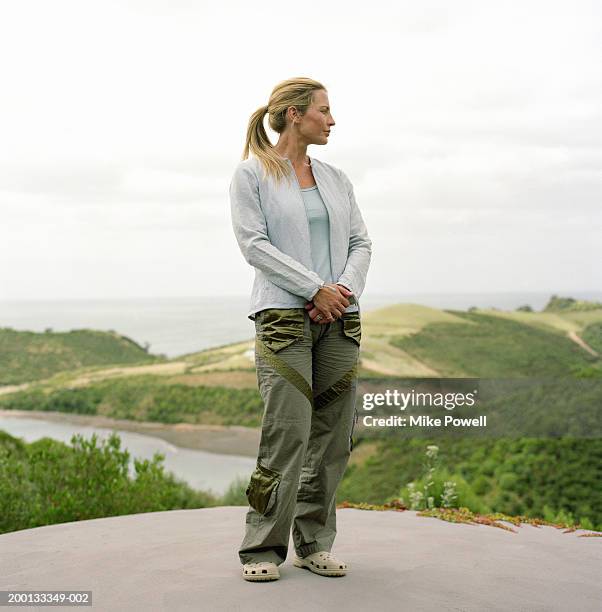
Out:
{"x": 425, "y": 499}
{"x": 431, "y": 466}
{"x": 415, "y": 497}
{"x": 449, "y": 495}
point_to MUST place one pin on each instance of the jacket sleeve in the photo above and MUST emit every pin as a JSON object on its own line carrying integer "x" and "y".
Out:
{"x": 360, "y": 247}
{"x": 250, "y": 229}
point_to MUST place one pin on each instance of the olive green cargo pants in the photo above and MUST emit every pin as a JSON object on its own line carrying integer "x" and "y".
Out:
{"x": 307, "y": 376}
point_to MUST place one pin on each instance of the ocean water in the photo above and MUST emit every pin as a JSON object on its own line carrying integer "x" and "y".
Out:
{"x": 176, "y": 326}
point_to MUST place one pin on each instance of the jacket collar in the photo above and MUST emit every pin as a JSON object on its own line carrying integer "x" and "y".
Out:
{"x": 311, "y": 160}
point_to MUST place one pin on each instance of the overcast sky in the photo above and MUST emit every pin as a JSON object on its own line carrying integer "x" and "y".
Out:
{"x": 472, "y": 132}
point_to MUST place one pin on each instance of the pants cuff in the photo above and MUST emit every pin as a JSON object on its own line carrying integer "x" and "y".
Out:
{"x": 308, "y": 549}
{"x": 267, "y": 555}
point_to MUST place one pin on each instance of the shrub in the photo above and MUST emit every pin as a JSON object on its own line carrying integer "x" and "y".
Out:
{"x": 48, "y": 482}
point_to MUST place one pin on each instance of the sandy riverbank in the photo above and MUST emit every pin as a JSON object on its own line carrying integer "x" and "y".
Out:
{"x": 228, "y": 440}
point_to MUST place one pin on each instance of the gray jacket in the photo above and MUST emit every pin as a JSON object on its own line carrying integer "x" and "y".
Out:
{"x": 272, "y": 231}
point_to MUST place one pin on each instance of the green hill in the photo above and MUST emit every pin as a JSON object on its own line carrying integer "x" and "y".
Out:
{"x": 145, "y": 397}
{"x": 105, "y": 373}
{"x": 492, "y": 346}
{"x": 592, "y": 334}
{"x": 28, "y": 356}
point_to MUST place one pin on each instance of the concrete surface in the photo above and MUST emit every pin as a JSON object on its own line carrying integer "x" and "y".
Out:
{"x": 187, "y": 560}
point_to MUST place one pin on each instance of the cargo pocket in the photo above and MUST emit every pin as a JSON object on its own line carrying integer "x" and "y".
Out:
{"x": 278, "y": 328}
{"x": 262, "y": 489}
{"x": 352, "y": 326}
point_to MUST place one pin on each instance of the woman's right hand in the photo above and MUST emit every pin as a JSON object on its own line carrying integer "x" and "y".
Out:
{"x": 331, "y": 304}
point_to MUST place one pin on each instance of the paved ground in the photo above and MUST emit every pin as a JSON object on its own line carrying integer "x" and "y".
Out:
{"x": 187, "y": 560}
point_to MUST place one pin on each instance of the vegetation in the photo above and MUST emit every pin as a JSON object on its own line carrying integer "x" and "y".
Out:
{"x": 464, "y": 515}
{"x": 592, "y": 334}
{"x": 28, "y": 356}
{"x": 525, "y": 308}
{"x": 492, "y": 346}
{"x": 559, "y": 304}
{"x": 541, "y": 461}
{"x": 147, "y": 398}
{"x": 554, "y": 479}
{"x": 48, "y": 482}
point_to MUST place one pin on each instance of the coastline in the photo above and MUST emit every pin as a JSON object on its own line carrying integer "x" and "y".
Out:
{"x": 222, "y": 439}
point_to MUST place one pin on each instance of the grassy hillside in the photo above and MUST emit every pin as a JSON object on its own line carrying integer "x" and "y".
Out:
{"x": 492, "y": 346}
{"x": 549, "y": 407}
{"x": 219, "y": 385}
{"x": 380, "y": 356}
{"x": 146, "y": 398}
{"x": 26, "y": 356}
{"x": 399, "y": 340}
{"x": 524, "y": 476}
{"x": 101, "y": 373}
{"x": 592, "y": 334}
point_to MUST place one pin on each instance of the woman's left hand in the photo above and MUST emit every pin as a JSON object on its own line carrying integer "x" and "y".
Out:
{"x": 313, "y": 311}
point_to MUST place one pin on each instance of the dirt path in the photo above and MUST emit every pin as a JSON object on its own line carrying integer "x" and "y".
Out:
{"x": 12, "y": 388}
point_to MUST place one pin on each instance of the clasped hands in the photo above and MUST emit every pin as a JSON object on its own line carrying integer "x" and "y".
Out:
{"x": 328, "y": 303}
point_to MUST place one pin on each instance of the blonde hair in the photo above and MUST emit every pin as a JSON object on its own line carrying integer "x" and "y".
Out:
{"x": 297, "y": 92}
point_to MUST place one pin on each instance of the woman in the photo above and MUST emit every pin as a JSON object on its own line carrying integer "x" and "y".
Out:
{"x": 297, "y": 223}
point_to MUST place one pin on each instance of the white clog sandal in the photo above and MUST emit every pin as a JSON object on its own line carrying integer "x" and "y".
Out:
{"x": 261, "y": 571}
{"x": 323, "y": 563}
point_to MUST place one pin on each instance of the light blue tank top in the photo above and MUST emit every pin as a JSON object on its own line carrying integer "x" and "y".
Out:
{"x": 319, "y": 230}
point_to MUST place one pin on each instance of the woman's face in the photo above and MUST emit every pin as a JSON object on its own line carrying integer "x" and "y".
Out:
{"x": 314, "y": 126}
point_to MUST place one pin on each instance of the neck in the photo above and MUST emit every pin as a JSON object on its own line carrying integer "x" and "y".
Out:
{"x": 296, "y": 154}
